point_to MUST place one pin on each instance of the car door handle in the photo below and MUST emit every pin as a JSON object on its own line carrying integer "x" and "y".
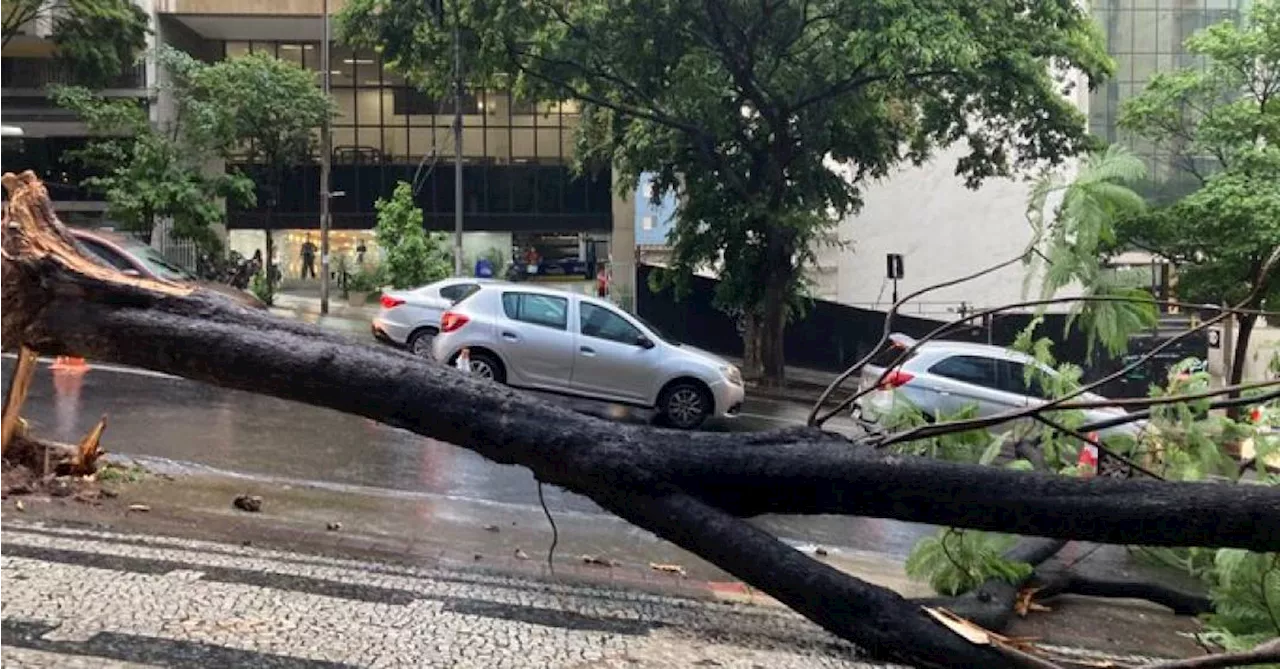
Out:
{"x": 510, "y": 336}
{"x": 587, "y": 350}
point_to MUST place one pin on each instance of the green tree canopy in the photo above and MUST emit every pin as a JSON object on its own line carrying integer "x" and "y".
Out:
{"x": 766, "y": 118}
{"x": 274, "y": 112}
{"x": 1221, "y": 124}
{"x": 1072, "y": 240}
{"x": 411, "y": 256}
{"x": 97, "y": 39}
{"x": 150, "y": 171}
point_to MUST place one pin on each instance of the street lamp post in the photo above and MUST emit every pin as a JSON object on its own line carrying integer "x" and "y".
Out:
{"x": 325, "y": 152}
{"x": 457, "y": 142}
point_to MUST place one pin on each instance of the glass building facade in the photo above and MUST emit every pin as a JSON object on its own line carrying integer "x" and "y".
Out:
{"x": 1145, "y": 37}
{"x": 516, "y": 174}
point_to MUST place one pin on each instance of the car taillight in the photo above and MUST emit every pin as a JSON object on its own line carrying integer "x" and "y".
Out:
{"x": 389, "y": 302}
{"x": 451, "y": 321}
{"x": 896, "y": 379}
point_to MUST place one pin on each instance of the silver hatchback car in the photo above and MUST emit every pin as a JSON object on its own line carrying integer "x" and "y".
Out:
{"x": 551, "y": 340}
{"x": 943, "y": 377}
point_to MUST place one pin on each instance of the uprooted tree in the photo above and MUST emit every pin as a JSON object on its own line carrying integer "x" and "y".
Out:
{"x": 695, "y": 490}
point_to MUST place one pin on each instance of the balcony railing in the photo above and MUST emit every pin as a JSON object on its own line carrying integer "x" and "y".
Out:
{"x": 37, "y": 73}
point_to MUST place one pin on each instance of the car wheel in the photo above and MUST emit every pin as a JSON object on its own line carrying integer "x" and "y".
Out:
{"x": 486, "y": 366}
{"x": 685, "y": 406}
{"x": 420, "y": 342}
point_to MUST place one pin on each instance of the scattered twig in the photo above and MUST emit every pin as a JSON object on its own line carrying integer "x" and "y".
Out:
{"x": 16, "y": 397}
{"x": 947, "y": 328}
{"x": 813, "y": 420}
{"x": 1264, "y": 653}
{"x": 949, "y": 427}
{"x": 555, "y": 532}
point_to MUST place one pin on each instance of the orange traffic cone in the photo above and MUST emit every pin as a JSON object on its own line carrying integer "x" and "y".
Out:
{"x": 66, "y": 363}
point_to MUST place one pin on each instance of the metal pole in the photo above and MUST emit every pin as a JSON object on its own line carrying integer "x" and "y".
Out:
{"x": 457, "y": 143}
{"x": 326, "y": 140}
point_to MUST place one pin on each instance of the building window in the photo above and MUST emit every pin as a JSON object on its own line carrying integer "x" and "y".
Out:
{"x": 413, "y": 102}
{"x": 385, "y": 130}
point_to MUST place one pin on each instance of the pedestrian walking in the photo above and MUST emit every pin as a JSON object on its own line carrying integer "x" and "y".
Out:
{"x": 602, "y": 281}
{"x": 308, "y": 258}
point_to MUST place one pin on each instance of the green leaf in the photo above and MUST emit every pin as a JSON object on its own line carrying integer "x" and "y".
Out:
{"x": 993, "y": 449}
{"x": 411, "y": 257}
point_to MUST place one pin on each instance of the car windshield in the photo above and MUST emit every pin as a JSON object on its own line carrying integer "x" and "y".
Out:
{"x": 157, "y": 263}
{"x": 655, "y": 330}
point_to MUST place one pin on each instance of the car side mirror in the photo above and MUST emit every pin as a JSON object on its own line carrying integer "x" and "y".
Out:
{"x": 644, "y": 342}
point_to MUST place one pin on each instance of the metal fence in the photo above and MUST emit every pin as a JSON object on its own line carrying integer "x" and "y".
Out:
{"x": 181, "y": 252}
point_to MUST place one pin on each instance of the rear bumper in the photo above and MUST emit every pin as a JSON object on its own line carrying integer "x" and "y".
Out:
{"x": 379, "y": 334}
{"x": 390, "y": 332}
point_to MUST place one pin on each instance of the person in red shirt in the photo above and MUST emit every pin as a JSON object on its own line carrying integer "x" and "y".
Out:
{"x": 602, "y": 281}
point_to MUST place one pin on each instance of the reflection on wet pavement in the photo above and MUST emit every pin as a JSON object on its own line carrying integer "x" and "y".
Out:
{"x": 157, "y": 416}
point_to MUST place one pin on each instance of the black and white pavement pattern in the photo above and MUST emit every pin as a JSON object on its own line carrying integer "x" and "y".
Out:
{"x": 84, "y": 598}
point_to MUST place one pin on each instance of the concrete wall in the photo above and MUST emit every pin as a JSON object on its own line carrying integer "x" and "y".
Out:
{"x": 943, "y": 230}
{"x": 622, "y": 251}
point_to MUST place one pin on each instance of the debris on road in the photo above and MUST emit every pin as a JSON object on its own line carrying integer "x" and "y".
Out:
{"x": 521, "y": 555}
{"x": 598, "y": 561}
{"x": 491, "y": 528}
{"x": 142, "y": 508}
{"x": 668, "y": 568}
{"x": 333, "y": 526}
{"x": 250, "y": 503}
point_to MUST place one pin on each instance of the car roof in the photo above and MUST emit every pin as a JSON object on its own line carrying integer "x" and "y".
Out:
{"x": 102, "y": 235}
{"x": 938, "y": 347}
{"x": 527, "y": 288}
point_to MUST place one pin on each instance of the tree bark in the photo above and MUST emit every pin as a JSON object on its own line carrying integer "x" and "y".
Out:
{"x": 773, "y": 325}
{"x": 1069, "y": 583}
{"x": 1240, "y": 356}
{"x": 764, "y": 342}
{"x": 692, "y": 489}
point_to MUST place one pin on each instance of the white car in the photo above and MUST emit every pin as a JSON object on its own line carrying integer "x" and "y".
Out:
{"x": 411, "y": 318}
{"x": 551, "y": 340}
{"x": 943, "y": 377}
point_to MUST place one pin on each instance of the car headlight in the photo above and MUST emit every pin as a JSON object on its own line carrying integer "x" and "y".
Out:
{"x": 732, "y": 374}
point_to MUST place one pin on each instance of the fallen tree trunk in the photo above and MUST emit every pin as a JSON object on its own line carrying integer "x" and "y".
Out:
{"x": 692, "y": 489}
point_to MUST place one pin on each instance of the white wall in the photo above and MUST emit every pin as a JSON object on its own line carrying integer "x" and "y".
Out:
{"x": 943, "y": 230}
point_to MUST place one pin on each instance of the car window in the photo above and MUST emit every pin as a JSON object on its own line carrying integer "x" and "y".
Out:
{"x": 969, "y": 369}
{"x": 457, "y": 291}
{"x": 545, "y": 310}
{"x": 105, "y": 254}
{"x": 889, "y": 355}
{"x": 595, "y": 321}
{"x": 1014, "y": 380}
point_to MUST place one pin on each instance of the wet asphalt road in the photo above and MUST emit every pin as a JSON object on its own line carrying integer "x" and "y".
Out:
{"x": 183, "y": 424}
